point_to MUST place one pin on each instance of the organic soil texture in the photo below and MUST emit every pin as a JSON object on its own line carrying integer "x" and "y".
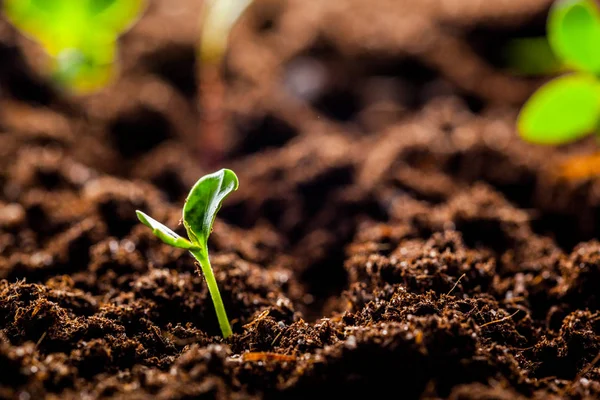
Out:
{"x": 392, "y": 236}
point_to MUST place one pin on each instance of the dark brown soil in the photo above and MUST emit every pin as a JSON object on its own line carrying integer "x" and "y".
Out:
{"x": 391, "y": 233}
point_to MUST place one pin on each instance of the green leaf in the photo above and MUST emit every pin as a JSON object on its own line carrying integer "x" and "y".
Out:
{"x": 574, "y": 33}
{"x": 33, "y": 17}
{"x": 81, "y": 36}
{"x": 532, "y": 56}
{"x": 114, "y": 17}
{"x": 97, "y": 6}
{"x": 85, "y": 71}
{"x": 563, "y": 110}
{"x": 46, "y": 5}
{"x": 203, "y": 203}
{"x": 163, "y": 233}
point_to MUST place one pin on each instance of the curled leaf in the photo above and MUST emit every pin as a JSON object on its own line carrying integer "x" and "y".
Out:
{"x": 203, "y": 203}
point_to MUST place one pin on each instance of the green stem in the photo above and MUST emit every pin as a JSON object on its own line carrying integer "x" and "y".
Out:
{"x": 213, "y": 289}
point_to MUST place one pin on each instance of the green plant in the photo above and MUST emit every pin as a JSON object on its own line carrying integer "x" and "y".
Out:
{"x": 79, "y": 36}
{"x": 199, "y": 211}
{"x": 568, "y": 107}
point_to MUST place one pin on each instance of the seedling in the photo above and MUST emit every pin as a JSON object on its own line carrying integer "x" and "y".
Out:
{"x": 568, "y": 107}
{"x": 79, "y": 36}
{"x": 199, "y": 212}
{"x": 218, "y": 20}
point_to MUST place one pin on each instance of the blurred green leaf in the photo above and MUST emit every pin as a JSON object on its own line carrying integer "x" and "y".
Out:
{"x": 47, "y": 5}
{"x": 563, "y": 110}
{"x": 115, "y": 16}
{"x": 98, "y": 6}
{"x": 80, "y": 35}
{"x": 574, "y": 33}
{"x": 532, "y": 56}
{"x": 84, "y": 72}
{"x": 33, "y": 17}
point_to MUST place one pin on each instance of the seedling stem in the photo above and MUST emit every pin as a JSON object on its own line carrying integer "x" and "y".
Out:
{"x": 201, "y": 255}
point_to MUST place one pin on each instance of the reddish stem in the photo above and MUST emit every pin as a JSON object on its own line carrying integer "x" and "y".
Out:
{"x": 211, "y": 141}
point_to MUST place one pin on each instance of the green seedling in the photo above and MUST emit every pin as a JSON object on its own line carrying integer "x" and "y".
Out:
{"x": 568, "y": 107}
{"x": 199, "y": 212}
{"x": 79, "y": 36}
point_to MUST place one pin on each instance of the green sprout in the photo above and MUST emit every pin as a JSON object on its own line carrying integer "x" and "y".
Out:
{"x": 199, "y": 212}
{"x": 568, "y": 107}
{"x": 79, "y": 36}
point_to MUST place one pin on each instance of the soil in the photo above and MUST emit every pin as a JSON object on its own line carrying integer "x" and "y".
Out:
{"x": 391, "y": 233}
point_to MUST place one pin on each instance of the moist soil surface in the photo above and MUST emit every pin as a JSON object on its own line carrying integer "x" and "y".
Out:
{"x": 391, "y": 233}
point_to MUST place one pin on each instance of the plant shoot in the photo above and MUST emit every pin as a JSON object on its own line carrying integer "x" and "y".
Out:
{"x": 199, "y": 212}
{"x": 218, "y": 20}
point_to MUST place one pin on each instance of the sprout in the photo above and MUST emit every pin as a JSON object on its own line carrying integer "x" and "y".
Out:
{"x": 79, "y": 36}
{"x": 199, "y": 212}
{"x": 219, "y": 18}
{"x": 568, "y": 108}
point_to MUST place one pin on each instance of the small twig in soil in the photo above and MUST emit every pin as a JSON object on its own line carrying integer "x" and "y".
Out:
{"x": 586, "y": 369}
{"x": 500, "y": 320}
{"x": 581, "y": 373}
{"x": 40, "y": 339}
{"x": 182, "y": 341}
{"x": 262, "y": 315}
{"x": 267, "y": 356}
{"x": 278, "y": 336}
{"x": 455, "y": 285}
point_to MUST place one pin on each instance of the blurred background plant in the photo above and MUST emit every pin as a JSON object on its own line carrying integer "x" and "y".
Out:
{"x": 80, "y": 37}
{"x": 218, "y": 19}
{"x": 568, "y": 107}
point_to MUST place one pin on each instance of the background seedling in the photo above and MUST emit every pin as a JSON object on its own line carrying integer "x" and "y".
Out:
{"x": 79, "y": 36}
{"x": 199, "y": 212}
{"x": 219, "y": 18}
{"x": 568, "y": 107}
